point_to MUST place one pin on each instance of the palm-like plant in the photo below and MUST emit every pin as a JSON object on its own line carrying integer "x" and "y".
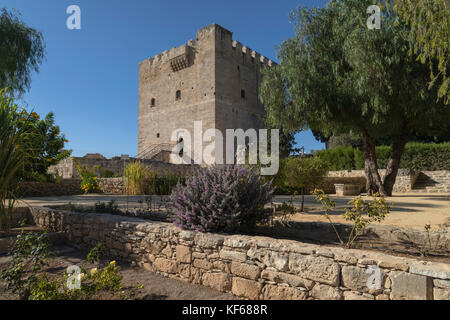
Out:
{"x": 14, "y": 143}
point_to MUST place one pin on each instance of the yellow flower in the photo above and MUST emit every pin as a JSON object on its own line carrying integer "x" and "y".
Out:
{"x": 93, "y": 270}
{"x": 112, "y": 263}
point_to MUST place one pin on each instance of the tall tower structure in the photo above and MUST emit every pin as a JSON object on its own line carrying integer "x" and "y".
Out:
{"x": 213, "y": 79}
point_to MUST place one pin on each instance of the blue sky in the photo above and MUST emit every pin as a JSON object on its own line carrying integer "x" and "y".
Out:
{"x": 90, "y": 77}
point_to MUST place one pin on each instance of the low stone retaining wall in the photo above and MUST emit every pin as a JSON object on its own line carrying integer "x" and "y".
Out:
{"x": 252, "y": 267}
{"x": 64, "y": 187}
{"x": 404, "y": 182}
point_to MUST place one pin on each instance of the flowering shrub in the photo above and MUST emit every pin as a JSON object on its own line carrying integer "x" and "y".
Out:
{"x": 89, "y": 181}
{"x": 221, "y": 198}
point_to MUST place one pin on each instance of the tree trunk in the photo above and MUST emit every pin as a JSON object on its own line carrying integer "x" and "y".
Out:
{"x": 398, "y": 147}
{"x": 303, "y": 199}
{"x": 373, "y": 179}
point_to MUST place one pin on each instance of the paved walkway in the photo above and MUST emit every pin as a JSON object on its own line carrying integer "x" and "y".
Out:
{"x": 412, "y": 210}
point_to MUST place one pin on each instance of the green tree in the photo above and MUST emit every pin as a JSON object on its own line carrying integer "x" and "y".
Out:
{"x": 22, "y": 49}
{"x": 429, "y": 37}
{"x": 336, "y": 76}
{"x": 47, "y": 144}
{"x": 14, "y": 154}
{"x": 303, "y": 173}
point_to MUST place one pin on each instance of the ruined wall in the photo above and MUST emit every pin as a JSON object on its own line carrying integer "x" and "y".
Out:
{"x": 67, "y": 169}
{"x": 252, "y": 267}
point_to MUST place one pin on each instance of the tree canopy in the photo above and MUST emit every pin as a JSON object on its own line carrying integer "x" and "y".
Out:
{"x": 336, "y": 76}
{"x": 429, "y": 37}
{"x": 22, "y": 50}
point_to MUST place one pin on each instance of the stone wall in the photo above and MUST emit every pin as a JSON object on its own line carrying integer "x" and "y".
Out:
{"x": 44, "y": 189}
{"x": 67, "y": 168}
{"x": 404, "y": 182}
{"x": 433, "y": 181}
{"x": 252, "y": 267}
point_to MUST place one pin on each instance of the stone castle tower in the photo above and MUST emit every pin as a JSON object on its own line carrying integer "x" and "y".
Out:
{"x": 213, "y": 79}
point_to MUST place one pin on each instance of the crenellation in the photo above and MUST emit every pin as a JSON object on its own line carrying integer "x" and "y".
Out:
{"x": 213, "y": 78}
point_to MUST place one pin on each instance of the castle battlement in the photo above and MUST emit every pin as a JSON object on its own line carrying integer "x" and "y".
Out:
{"x": 190, "y": 47}
{"x": 213, "y": 79}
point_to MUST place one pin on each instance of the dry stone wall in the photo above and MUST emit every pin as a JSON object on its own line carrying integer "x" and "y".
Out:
{"x": 252, "y": 267}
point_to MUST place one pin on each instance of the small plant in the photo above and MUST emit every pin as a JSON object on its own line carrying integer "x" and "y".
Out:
{"x": 137, "y": 178}
{"x": 221, "y": 198}
{"x": 96, "y": 253}
{"x": 29, "y": 255}
{"x": 361, "y": 214}
{"x": 303, "y": 174}
{"x": 110, "y": 207}
{"x": 89, "y": 181}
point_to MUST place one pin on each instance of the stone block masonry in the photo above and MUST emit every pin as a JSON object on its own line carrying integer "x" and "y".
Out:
{"x": 251, "y": 267}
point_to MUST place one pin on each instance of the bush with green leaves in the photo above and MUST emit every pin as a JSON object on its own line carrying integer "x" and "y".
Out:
{"x": 30, "y": 253}
{"x": 417, "y": 156}
{"x": 303, "y": 173}
{"x": 361, "y": 214}
{"x": 221, "y": 198}
{"x": 164, "y": 183}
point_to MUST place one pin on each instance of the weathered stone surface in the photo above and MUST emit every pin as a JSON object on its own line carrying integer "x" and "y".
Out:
{"x": 237, "y": 242}
{"x": 218, "y": 281}
{"x": 208, "y": 240}
{"x": 352, "y": 295}
{"x": 184, "y": 270}
{"x": 441, "y": 294}
{"x": 431, "y": 269}
{"x": 444, "y": 284}
{"x": 324, "y": 292}
{"x": 165, "y": 265}
{"x": 382, "y": 297}
{"x": 246, "y": 288}
{"x": 233, "y": 255}
{"x": 406, "y": 286}
{"x": 245, "y": 270}
{"x": 202, "y": 264}
{"x": 292, "y": 280}
{"x": 183, "y": 254}
{"x": 356, "y": 278}
{"x": 319, "y": 269}
{"x": 273, "y": 292}
{"x": 395, "y": 263}
{"x": 276, "y": 260}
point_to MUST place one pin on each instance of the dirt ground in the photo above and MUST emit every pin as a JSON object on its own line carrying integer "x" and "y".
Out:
{"x": 409, "y": 210}
{"x": 155, "y": 287}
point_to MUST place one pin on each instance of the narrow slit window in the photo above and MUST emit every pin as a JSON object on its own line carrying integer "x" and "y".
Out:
{"x": 178, "y": 95}
{"x": 243, "y": 94}
{"x": 153, "y": 102}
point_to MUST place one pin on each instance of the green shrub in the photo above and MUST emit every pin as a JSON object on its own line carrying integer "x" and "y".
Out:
{"x": 138, "y": 177}
{"x": 339, "y": 158}
{"x": 417, "y": 156}
{"x": 164, "y": 184}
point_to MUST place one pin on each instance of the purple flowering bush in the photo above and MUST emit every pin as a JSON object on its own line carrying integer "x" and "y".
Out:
{"x": 221, "y": 198}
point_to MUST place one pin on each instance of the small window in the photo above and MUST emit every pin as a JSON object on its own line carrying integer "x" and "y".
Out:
{"x": 178, "y": 95}
{"x": 153, "y": 102}
{"x": 243, "y": 94}
{"x": 157, "y": 135}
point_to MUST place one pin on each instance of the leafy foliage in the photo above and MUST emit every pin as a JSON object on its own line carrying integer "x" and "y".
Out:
{"x": 47, "y": 144}
{"x": 361, "y": 214}
{"x": 429, "y": 21}
{"x": 417, "y": 156}
{"x": 29, "y": 255}
{"x": 336, "y": 76}
{"x": 89, "y": 181}
{"x": 137, "y": 178}
{"x": 15, "y": 149}
{"x": 22, "y": 49}
{"x": 221, "y": 198}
